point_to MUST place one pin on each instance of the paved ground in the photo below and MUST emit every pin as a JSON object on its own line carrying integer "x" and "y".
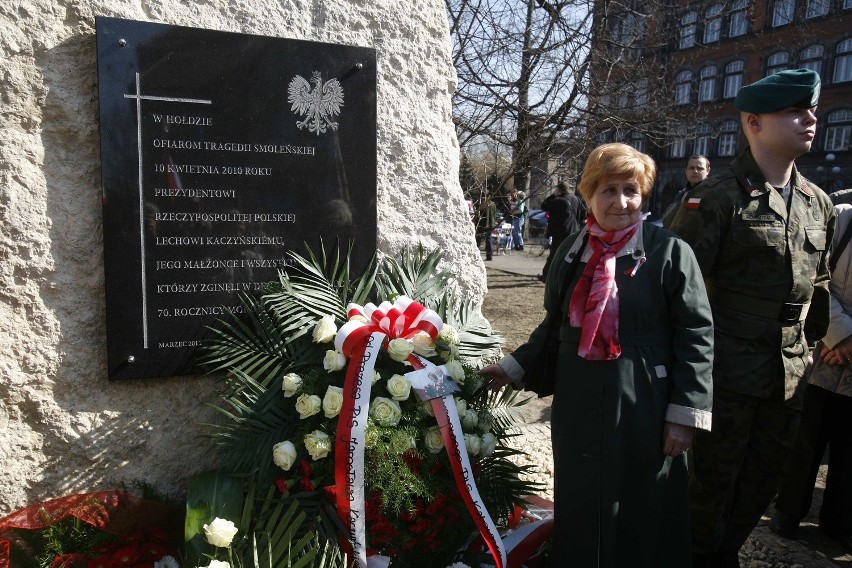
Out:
{"x": 513, "y": 305}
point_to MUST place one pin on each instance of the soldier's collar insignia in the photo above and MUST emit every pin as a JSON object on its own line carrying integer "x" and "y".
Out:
{"x": 753, "y": 189}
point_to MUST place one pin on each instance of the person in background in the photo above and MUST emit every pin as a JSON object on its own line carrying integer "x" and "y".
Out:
{"x": 633, "y": 375}
{"x": 826, "y": 414}
{"x": 697, "y": 169}
{"x": 566, "y": 214}
{"x": 490, "y": 224}
{"x": 761, "y": 234}
{"x": 517, "y": 213}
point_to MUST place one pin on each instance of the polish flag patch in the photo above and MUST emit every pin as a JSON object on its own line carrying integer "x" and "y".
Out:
{"x": 692, "y": 203}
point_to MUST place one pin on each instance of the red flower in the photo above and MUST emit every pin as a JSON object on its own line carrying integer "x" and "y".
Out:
{"x": 437, "y": 505}
{"x": 282, "y": 486}
{"x": 436, "y": 468}
{"x": 100, "y": 562}
{"x": 305, "y": 484}
{"x": 413, "y": 461}
{"x": 382, "y": 532}
{"x": 73, "y": 560}
{"x": 514, "y": 517}
{"x": 305, "y": 469}
{"x": 125, "y": 556}
{"x": 330, "y": 492}
{"x": 420, "y": 526}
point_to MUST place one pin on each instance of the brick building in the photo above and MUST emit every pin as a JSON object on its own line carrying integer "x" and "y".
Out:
{"x": 704, "y": 51}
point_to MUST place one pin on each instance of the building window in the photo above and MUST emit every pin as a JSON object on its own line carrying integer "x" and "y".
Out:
{"x": 783, "y": 12}
{"x": 728, "y": 138}
{"x": 811, "y": 58}
{"x": 847, "y": 4}
{"x": 638, "y": 141}
{"x": 687, "y": 30}
{"x": 843, "y": 62}
{"x": 739, "y": 18}
{"x": 779, "y": 61}
{"x": 733, "y": 78}
{"x": 713, "y": 23}
{"x": 817, "y": 8}
{"x": 678, "y": 148}
{"x": 702, "y": 140}
{"x": 683, "y": 87}
{"x": 839, "y": 130}
{"x": 707, "y": 85}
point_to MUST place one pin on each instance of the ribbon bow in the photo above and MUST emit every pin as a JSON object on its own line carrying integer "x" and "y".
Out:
{"x": 402, "y": 319}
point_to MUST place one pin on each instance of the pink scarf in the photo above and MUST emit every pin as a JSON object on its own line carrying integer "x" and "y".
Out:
{"x": 594, "y": 303}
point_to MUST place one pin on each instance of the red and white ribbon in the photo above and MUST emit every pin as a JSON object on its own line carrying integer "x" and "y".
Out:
{"x": 361, "y": 342}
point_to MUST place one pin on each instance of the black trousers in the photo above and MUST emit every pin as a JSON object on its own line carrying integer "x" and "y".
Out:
{"x": 826, "y": 422}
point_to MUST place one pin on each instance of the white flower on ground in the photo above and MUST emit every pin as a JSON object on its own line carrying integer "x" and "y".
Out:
{"x": 166, "y": 562}
{"x": 461, "y": 406}
{"x": 332, "y": 401}
{"x": 318, "y": 444}
{"x": 308, "y": 405}
{"x": 401, "y": 441}
{"x": 472, "y": 444}
{"x": 218, "y": 564}
{"x": 284, "y": 454}
{"x": 220, "y": 532}
{"x": 423, "y": 343}
{"x": 469, "y": 420}
{"x": 489, "y": 444}
{"x": 333, "y": 361}
{"x": 325, "y": 330}
{"x": 371, "y": 437}
{"x": 290, "y": 384}
{"x": 456, "y": 371}
{"x": 434, "y": 441}
{"x": 385, "y": 412}
{"x": 399, "y": 349}
{"x": 399, "y": 387}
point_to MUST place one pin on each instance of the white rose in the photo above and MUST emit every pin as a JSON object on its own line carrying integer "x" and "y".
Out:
{"x": 399, "y": 387}
{"x": 371, "y": 437}
{"x": 423, "y": 344}
{"x": 399, "y": 349}
{"x": 434, "y": 440}
{"x": 332, "y": 401}
{"x": 284, "y": 454}
{"x": 472, "y": 443}
{"x": 218, "y": 564}
{"x": 461, "y": 406}
{"x": 427, "y": 408}
{"x": 318, "y": 444}
{"x": 401, "y": 441}
{"x": 333, "y": 361}
{"x": 220, "y": 532}
{"x": 376, "y": 377}
{"x": 308, "y": 405}
{"x": 489, "y": 444}
{"x": 325, "y": 330}
{"x": 456, "y": 371}
{"x": 449, "y": 334}
{"x": 290, "y": 384}
{"x": 469, "y": 420}
{"x": 385, "y": 411}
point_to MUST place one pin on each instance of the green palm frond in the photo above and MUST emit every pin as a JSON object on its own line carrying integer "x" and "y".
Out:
{"x": 477, "y": 342}
{"x": 316, "y": 286}
{"x": 257, "y": 420}
{"x": 415, "y": 275}
{"x": 506, "y": 407}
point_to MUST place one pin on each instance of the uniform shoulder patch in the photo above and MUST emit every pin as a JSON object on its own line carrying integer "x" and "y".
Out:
{"x": 692, "y": 203}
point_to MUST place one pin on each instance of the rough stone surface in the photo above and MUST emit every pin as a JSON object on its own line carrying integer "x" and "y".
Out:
{"x": 64, "y": 426}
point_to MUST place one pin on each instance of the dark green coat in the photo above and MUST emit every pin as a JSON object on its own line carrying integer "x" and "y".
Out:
{"x": 756, "y": 256}
{"x": 619, "y": 500}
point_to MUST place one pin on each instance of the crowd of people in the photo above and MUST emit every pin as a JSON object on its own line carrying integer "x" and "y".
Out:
{"x": 689, "y": 355}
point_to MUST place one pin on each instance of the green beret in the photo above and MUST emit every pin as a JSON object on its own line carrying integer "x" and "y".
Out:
{"x": 794, "y": 88}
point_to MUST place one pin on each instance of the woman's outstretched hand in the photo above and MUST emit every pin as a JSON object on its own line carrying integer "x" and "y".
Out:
{"x": 495, "y": 377}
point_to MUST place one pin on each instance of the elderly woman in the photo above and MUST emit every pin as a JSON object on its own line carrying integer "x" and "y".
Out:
{"x": 633, "y": 378}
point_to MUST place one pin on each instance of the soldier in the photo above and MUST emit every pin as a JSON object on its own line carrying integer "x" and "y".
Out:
{"x": 759, "y": 231}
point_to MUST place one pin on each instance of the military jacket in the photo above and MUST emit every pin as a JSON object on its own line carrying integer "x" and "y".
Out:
{"x": 766, "y": 272}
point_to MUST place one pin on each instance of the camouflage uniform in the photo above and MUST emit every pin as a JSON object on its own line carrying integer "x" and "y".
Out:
{"x": 766, "y": 274}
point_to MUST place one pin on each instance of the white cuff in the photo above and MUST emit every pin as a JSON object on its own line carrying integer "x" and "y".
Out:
{"x": 512, "y": 368}
{"x": 689, "y": 416}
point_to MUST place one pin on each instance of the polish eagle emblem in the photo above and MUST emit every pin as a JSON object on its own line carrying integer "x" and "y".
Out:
{"x": 319, "y": 104}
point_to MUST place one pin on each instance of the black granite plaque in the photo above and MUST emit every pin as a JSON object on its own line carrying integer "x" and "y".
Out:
{"x": 220, "y": 153}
